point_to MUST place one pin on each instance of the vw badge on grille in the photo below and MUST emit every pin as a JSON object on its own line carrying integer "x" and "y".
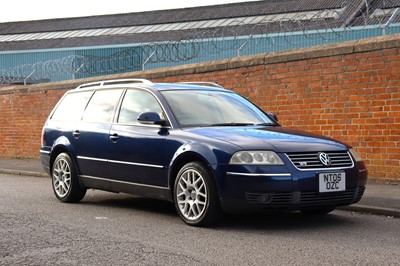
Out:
{"x": 324, "y": 158}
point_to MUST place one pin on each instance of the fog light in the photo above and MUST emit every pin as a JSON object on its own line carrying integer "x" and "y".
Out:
{"x": 265, "y": 198}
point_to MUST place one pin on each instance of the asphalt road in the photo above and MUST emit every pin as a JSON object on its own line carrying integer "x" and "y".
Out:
{"x": 120, "y": 229}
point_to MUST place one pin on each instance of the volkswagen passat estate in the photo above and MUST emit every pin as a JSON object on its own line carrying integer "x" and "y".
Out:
{"x": 204, "y": 148}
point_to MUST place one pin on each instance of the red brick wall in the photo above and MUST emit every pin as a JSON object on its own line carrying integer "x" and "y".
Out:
{"x": 348, "y": 91}
{"x": 22, "y": 115}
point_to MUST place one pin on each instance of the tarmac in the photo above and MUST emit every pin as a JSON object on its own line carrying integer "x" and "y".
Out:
{"x": 379, "y": 199}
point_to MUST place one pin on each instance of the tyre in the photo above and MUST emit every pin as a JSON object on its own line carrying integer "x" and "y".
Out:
{"x": 195, "y": 196}
{"x": 65, "y": 180}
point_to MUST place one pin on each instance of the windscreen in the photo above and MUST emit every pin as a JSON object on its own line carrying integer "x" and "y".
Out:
{"x": 213, "y": 108}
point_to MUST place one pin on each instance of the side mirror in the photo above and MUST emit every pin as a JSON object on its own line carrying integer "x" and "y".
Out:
{"x": 273, "y": 116}
{"x": 151, "y": 118}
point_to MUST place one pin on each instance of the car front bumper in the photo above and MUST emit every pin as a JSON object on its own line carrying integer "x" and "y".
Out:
{"x": 279, "y": 188}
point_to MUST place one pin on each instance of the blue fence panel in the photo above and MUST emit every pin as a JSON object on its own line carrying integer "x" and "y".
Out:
{"x": 71, "y": 63}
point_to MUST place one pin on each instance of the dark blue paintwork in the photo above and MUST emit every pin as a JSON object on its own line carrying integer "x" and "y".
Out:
{"x": 149, "y": 156}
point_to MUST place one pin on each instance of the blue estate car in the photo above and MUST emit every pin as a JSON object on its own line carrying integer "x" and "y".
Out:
{"x": 203, "y": 147}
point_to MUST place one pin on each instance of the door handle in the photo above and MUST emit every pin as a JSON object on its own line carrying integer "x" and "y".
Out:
{"x": 114, "y": 137}
{"x": 76, "y": 133}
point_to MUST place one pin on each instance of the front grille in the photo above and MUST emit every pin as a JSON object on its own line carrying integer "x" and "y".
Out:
{"x": 310, "y": 160}
{"x": 305, "y": 198}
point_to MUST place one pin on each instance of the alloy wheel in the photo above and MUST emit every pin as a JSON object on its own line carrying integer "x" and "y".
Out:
{"x": 191, "y": 194}
{"x": 62, "y": 177}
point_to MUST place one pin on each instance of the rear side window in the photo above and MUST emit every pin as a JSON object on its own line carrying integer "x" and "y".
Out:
{"x": 101, "y": 106}
{"x": 71, "y": 107}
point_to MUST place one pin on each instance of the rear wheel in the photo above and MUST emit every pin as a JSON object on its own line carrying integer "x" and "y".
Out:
{"x": 195, "y": 196}
{"x": 65, "y": 180}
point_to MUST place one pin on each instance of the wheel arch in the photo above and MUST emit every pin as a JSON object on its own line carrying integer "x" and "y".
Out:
{"x": 57, "y": 150}
{"x": 60, "y": 146}
{"x": 183, "y": 159}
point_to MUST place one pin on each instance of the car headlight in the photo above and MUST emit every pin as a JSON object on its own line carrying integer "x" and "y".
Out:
{"x": 355, "y": 155}
{"x": 256, "y": 157}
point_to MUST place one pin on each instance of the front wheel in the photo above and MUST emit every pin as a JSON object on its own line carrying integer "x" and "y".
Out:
{"x": 195, "y": 196}
{"x": 65, "y": 180}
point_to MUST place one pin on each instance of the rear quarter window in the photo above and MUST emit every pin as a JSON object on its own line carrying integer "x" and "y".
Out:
{"x": 71, "y": 106}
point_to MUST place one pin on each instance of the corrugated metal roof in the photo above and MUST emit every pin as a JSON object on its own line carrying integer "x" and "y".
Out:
{"x": 171, "y": 25}
{"x": 171, "y": 16}
{"x": 168, "y": 27}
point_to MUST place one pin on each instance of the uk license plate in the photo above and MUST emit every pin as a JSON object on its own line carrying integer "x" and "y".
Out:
{"x": 332, "y": 182}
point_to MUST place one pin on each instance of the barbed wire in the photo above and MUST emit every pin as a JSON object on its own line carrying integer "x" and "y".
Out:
{"x": 272, "y": 33}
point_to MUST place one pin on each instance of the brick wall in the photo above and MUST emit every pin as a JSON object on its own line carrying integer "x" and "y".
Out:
{"x": 349, "y": 91}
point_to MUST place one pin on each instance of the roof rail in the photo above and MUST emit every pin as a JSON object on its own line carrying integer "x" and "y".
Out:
{"x": 114, "y": 81}
{"x": 212, "y": 84}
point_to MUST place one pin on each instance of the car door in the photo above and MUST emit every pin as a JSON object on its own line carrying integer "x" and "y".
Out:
{"x": 92, "y": 139}
{"x": 138, "y": 152}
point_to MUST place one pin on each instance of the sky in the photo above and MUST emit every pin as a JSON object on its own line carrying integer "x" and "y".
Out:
{"x": 24, "y": 10}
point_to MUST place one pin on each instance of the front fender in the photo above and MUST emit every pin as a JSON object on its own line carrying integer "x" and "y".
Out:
{"x": 201, "y": 150}
{"x": 211, "y": 156}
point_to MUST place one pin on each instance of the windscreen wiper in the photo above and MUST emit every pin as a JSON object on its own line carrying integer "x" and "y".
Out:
{"x": 266, "y": 124}
{"x": 233, "y": 124}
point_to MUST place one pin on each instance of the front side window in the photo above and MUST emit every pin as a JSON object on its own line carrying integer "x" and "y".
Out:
{"x": 101, "y": 106}
{"x": 136, "y": 102}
